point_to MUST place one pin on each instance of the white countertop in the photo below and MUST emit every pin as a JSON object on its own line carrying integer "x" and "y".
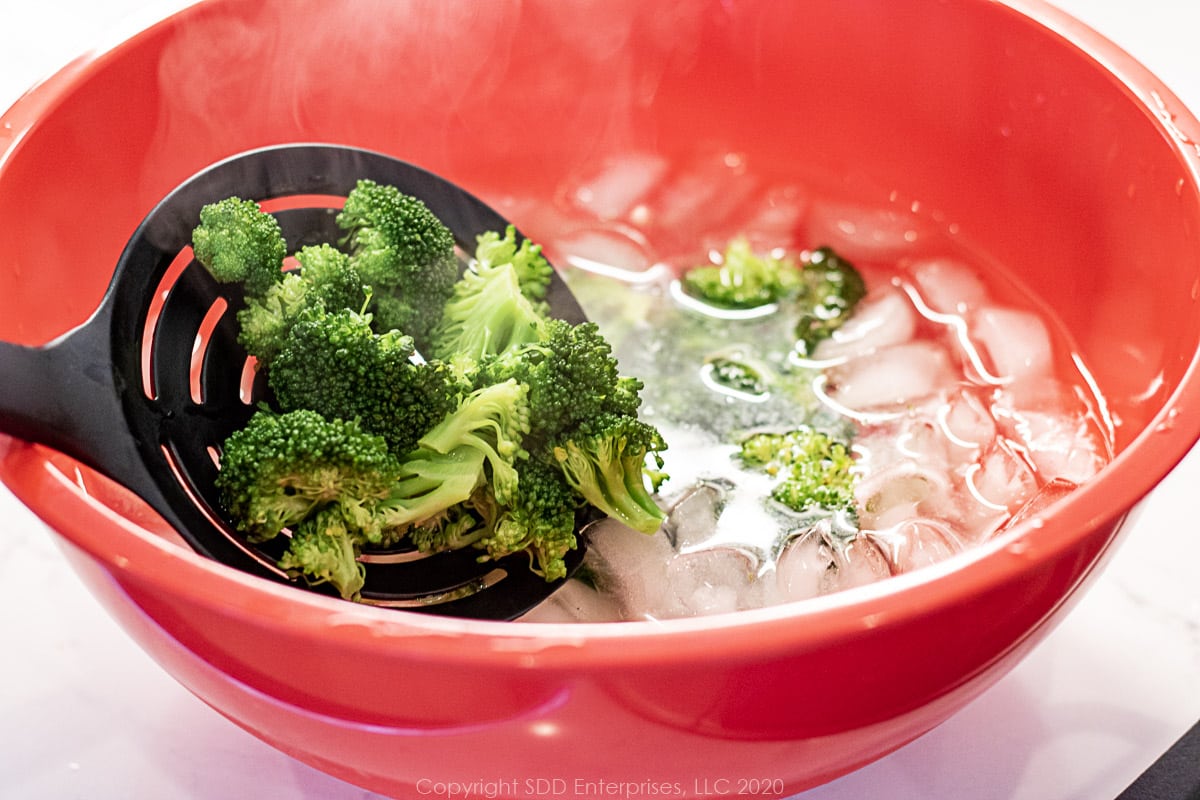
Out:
{"x": 86, "y": 714}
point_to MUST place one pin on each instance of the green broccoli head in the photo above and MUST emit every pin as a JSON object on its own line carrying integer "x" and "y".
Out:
{"x": 815, "y": 471}
{"x": 280, "y": 469}
{"x": 604, "y": 460}
{"x": 336, "y": 364}
{"x": 237, "y": 242}
{"x": 486, "y": 315}
{"x": 326, "y": 281}
{"x": 324, "y": 549}
{"x": 540, "y": 521}
{"x": 453, "y": 529}
{"x": 743, "y": 279}
{"x": 403, "y": 252}
{"x": 571, "y": 374}
{"x": 532, "y": 268}
{"x": 494, "y": 421}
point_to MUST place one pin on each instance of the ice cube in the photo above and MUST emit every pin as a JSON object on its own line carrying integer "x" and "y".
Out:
{"x": 774, "y": 220}
{"x": 885, "y": 317}
{"x": 998, "y": 484}
{"x": 619, "y": 185}
{"x": 948, "y": 286}
{"x": 609, "y": 252}
{"x": 693, "y": 518}
{"x": 1062, "y": 446}
{"x": 891, "y": 378}
{"x": 1015, "y": 343}
{"x": 801, "y": 567}
{"x": 711, "y": 581}
{"x": 916, "y": 543}
{"x": 858, "y": 562}
{"x": 1050, "y": 493}
{"x": 904, "y": 490}
{"x": 629, "y": 566}
{"x": 865, "y": 232}
{"x": 966, "y": 422}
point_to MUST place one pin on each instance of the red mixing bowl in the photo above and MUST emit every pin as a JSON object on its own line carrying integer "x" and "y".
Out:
{"x": 1016, "y": 127}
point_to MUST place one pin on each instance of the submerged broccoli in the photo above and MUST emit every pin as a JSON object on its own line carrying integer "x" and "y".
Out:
{"x": 404, "y": 253}
{"x": 411, "y": 403}
{"x": 743, "y": 279}
{"x": 815, "y": 470}
{"x": 832, "y": 288}
{"x": 824, "y": 288}
{"x": 238, "y": 243}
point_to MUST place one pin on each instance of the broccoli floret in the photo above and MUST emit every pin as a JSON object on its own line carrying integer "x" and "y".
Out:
{"x": 605, "y": 461}
{"x": 533, "y": 270}
{"x": 486, "y": 314}
{"x": 453, "y": 529}
{"x": 404, "y": 399}
{"x": 237, "y": 242}
{"x": 540, "y": 521}
{"x": 571, "y": 374}
{"x": 738, "y": 374}
{"x": 404, "y": 253}
{"x": 832, "y": 289}
{"x": 336, "y": 364}
{"x": 327, "y": 281}
{"x": 280, "y": 469}
{"x": 743, "y": 279}
{"x": 492, "y": 420}
{"x": 323, "y": 549}
{"x": 815, "y": 471}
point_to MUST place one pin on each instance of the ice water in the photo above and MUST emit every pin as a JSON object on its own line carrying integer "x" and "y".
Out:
{"x": 965, "y": 405}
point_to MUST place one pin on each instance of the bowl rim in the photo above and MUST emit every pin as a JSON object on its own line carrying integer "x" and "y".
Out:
{"x": 129, "y": 551}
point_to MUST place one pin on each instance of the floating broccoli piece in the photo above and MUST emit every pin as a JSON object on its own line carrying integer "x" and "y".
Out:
{"x": 832, "y": 288}
{"x": 605, "y": 461}
{"x": 237, "y": 242}
{"x": 404, "y": 253}
{"x": 336, "y": 364}
{"x": 738, "y": 375}
{"x": 326, "y": 281}
{"x": 743, "y": 279}
{"x": 815, "y": 470}
{"x": 281, "y": 469}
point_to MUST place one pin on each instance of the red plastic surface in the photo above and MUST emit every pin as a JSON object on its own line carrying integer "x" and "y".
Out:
{"x": 1036, "y": 140}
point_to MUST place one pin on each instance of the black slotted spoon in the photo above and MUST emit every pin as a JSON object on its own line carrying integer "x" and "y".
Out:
{"x": 147, "y": 389}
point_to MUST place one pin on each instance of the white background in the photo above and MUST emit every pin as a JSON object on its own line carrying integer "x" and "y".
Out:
{"x": 85, "y": 714}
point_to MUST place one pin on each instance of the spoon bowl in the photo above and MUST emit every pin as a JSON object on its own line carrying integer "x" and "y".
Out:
{"x": 150, "y": 386}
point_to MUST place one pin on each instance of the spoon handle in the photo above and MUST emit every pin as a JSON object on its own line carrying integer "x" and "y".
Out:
{"x": 62, "y": 395}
